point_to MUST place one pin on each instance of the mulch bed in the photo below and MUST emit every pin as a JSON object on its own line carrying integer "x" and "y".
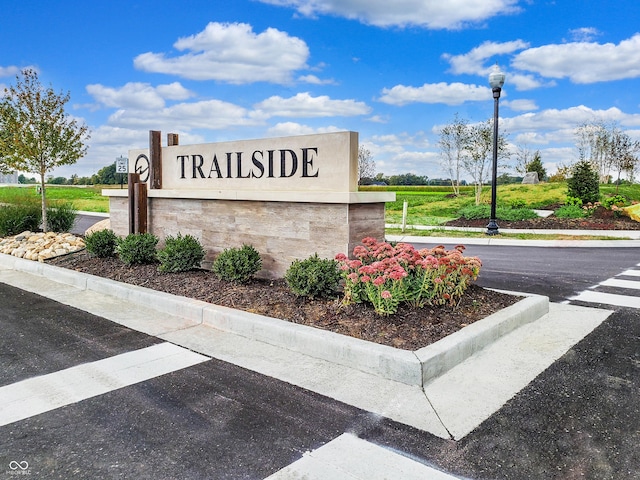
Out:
{"x": 409, "y": 329}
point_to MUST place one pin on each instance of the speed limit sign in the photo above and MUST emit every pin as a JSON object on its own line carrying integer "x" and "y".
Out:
{"x": 122, "y": 165}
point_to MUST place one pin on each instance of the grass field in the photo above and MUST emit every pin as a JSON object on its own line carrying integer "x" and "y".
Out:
{"x": 436, "y": 207}
{"x": 426, "y": 205}
{"x": 87, "y": 198}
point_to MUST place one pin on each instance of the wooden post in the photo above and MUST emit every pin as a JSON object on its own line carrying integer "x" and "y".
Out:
{"x": 172, "y": 139}
{"x": 134, "y": 179}
{"x": 155, "y": 159}
{"x": 140, "y": 190}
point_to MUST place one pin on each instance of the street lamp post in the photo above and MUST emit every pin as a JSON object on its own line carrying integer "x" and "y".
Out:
{"x": 496, "y": 80}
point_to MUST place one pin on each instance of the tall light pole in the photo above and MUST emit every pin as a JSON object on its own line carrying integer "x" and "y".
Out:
{"x": 496, "y": 80}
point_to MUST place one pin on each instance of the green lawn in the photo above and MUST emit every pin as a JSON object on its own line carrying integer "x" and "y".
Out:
{"x": 87, "y": 198}
{"x": 436, "y": 207}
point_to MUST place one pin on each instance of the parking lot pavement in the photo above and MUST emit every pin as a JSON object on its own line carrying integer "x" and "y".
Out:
{"x": 578, "y": 419}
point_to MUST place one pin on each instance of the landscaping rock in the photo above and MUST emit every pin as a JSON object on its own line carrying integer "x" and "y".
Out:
{"x": 40, "y": 246}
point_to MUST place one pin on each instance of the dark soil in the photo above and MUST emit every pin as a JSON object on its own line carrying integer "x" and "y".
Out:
{"x": 601, "y": 219}
{"x": 409, "y": 329}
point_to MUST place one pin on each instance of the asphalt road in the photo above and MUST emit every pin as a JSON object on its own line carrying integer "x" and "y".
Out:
{"x": 557, "y": 272}
{"x": 578, "y": 419}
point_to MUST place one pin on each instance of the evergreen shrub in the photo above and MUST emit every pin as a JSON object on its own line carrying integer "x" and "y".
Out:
{"x": 584, "y": 184}
{"x": 180, "y": 254}
{"x": 137, "y": 248}
{"x": 314, "y": 277}
{"x": 237, "y": 264}
{"x": 101, "y": 243}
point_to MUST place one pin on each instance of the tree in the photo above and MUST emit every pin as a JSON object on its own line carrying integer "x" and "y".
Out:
{"x": 407, "y": 179}
{"x": 453, "y": 140}
{"x": 593, "y": 142}
{"x": 535, "y": 165}
{"x": 107, "y": 175}
{"x": 37, "y": 134}
{"x": 479, "y": 153}
{"x": 584, "y": 183}
{"x": 623, "y": 153}
{"x": 366, "y": 165}
{"x": 523, "y": 157}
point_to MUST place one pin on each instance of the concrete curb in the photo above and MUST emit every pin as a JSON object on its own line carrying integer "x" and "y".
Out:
{"x": 411, "y": 368}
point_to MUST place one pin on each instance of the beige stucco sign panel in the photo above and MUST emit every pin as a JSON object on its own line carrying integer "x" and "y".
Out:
{"x": 306, "y": 163}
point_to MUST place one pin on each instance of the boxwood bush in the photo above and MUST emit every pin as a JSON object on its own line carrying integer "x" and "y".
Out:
{"x": 237, "y": 264}
{"x": 101, "y": 243}
{"x": 138, "y": 248}
{"x": 314, "y": 277}
{"x": 180, "y": 254}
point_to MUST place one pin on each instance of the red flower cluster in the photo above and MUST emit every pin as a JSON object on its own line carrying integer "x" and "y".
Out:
{"x": 387, "y": 275}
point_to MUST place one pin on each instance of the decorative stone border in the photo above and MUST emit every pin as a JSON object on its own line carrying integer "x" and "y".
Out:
{"x": 40, "y": 246}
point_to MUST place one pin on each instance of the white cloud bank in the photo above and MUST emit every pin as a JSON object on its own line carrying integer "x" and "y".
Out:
{"x": 433, "y": 14}
{"x": 233, "y": 53}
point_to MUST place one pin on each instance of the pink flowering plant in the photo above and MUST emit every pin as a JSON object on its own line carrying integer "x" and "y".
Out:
{"x": 387, "y": 276}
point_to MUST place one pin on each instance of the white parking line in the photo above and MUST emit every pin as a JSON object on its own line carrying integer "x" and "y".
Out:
{"x": 37, "y": 395}
{"x": 607, "y": 299}
{"x": 614, "y": 282}
{"x": 349, "y": 457}
{"x": 631, "y": 273}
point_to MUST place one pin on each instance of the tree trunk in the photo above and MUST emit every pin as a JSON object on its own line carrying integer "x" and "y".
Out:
{"x": 43, "y": 197}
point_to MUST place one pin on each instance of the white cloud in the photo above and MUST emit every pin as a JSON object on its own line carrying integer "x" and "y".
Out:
{"x": 316, "y": 81}
{"x": 304, "y": 105}
{"x": 567, "y": 119}
{"x": 231, "y": 52}
{"x": 473, "y": 61}
{"x": 10, "y": 71}
{"x": 138, "y": 95}
{"x": 452, "y": 14}
{"x": 287, "y": 129}
{"x": 208, "y": 115}
{"x": 584, "y": 34}
{"x": 520, "y": 105}
{"x": 447, "y": 93}
{"x": 583, "y": 62}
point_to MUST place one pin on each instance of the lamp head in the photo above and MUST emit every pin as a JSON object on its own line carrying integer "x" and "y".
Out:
{"x": 496, "y": 77}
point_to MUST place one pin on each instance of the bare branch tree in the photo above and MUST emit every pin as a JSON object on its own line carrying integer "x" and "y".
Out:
{"x": 453, "y": 141}
{"x": 366, "y": 165}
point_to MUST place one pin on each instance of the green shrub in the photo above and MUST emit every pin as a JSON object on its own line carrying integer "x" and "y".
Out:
{"x": 138, "y": 248}
{"x": 180, "y": 254}
{"x": 584, "y": 184}
{"x": 237, "y": 264}
{"x": 518, "y": 203}
{"x": 617, "y": 200}
{"x": 314, "y": 277}
{"x": 15, "y": 219}
{"x": 101, "y": 243}
{"x": 61, "y": 217}
{"x": 573, "y": 201}
{"x": 475, "y": 212}
{"x": 570, "y": 211}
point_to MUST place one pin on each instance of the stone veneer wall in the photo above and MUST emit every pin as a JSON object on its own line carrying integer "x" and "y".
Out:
{"x": 281, "y": 231}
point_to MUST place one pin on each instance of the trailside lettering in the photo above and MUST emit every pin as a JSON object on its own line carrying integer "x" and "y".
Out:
{"x": 238, "y": 165}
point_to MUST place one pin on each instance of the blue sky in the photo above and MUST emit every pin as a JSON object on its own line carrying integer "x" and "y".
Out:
{"x": 393, "y": 70}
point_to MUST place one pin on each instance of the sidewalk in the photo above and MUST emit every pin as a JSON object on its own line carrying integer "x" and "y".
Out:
{"x": 631, "y": 237}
